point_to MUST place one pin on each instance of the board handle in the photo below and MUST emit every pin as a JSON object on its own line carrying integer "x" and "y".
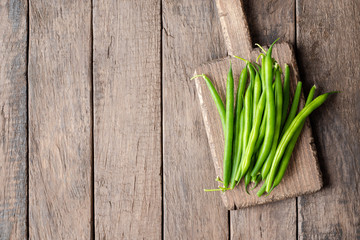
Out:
{"x": 235, "y": 27}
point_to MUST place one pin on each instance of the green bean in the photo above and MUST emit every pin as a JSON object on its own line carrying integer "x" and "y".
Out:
{"x": 261, "y": 132}
{"x": 290, "y": 147}
{"x": 278, "y": 109}
{"x": 245, "y": 163}
{"x": 247, "y": 125}
{"x": 252, "y": 74}
{"x": 286, "y": 94}
{"x": 238, "y": 106}
{"x": 294, "y": 107}
{"x": 270, "y": 109}
{"x": 261, "y": 190}
{"x": 257, "y": 92}
{"x": 256, "y": 181}
{"x": 263, "y": 74}
{"x": 229, "y": 122}
{"x": 247, "y": 177}
{"x": 238, "y": 152}
{"x": 295, "y": 124}
{"x": 218, "y": 102}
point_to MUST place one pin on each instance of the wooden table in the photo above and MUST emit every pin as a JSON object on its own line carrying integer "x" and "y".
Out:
{"x": 102, "y": 135}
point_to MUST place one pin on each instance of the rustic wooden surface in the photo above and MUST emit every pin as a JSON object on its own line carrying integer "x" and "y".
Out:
{"x": 13, "y": 118}
{"x": 73, "y": 100}
{"x": 127, "y": 119}
{"x": 60, "y": 143}
{"x": 191, "y": 35}
{"x": 328, "y": 34}
{"x": 303, "y": 175}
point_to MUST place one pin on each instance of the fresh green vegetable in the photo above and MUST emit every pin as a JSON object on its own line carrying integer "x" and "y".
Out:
{"x": 257, "y": 92}
{"x": 286, "y": 95}
{"x": 260, "y": 133}
{"x": 245, "y": 163}
{"x": 216, "y": 97}
{"x": 270, "y": 110}
{"x": 294, "y": 126}
{"x": 238, "y": 152}
{"x": 278, "y": 109}
{"x": 291, "y": 146}
{"x": 294, "y": 107}
{"x": 238, "y": 108}
{"x": 229, "y": 122}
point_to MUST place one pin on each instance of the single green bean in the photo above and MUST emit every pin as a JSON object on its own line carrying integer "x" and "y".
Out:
{"x": 263, "y": 73}
{"x": 252, "y": 74}
{"x": 237, "y": 158}
{"x": 229, "y": 122}
{"x": 257, "y": 92}
{"x": 247, "y": 177}
{"x": 278, "y": 109}
{"x": 286, "y": 95}
{"x": 256, "y": 181}
{"x": 238, "y": 107}
{"x": 291, "y": 146}
{"x": 294, "y": 107}
{"x": 261, "y": 132}
{"x": 261, "y": 190}
{"x": 270, "y": 109}
{"x": 216, "y": 97}
{"x": 295, "y": 124}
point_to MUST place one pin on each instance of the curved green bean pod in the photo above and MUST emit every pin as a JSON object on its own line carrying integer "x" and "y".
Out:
{"x": 291, "y": 146}
{"x": 216, "y": 97}
{"x": 294, "y": 126}
{"x": 229, "y": 122}
{"x": 286, "y": 95}
{"x": 278, "y": 107}
{"x": 294, "y": 107}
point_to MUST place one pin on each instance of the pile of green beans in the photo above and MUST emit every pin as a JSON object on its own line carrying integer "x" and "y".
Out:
{"x": 259, "y": 128}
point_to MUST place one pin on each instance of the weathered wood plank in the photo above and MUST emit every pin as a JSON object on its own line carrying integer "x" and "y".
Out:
{"x": 191, "y": 35}
{"x": 328, "y": 46}
{"x": 13, "y": 119}
{"x": 127, "y": 108}
{"x": 60, "y": 147}
{"x": 276, "y": 220}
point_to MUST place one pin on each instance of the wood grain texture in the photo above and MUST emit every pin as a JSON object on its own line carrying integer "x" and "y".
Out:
{"x": 234, "y": 27}
{"x": 271, "y": 19}
{"x": 191, "y": 35}
{"x": 60, "y": 146}
{"x": 127, "y": 133}
{"x": 328, "y": 48}
{"x": 302, "y": 175}
{"x": 13, "y": 119}
{"x": 268, "y": 20}
{"x": 276, "y": 220}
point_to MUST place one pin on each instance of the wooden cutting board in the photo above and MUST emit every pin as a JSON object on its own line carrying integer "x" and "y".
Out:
{"x": 303, "y": 174}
